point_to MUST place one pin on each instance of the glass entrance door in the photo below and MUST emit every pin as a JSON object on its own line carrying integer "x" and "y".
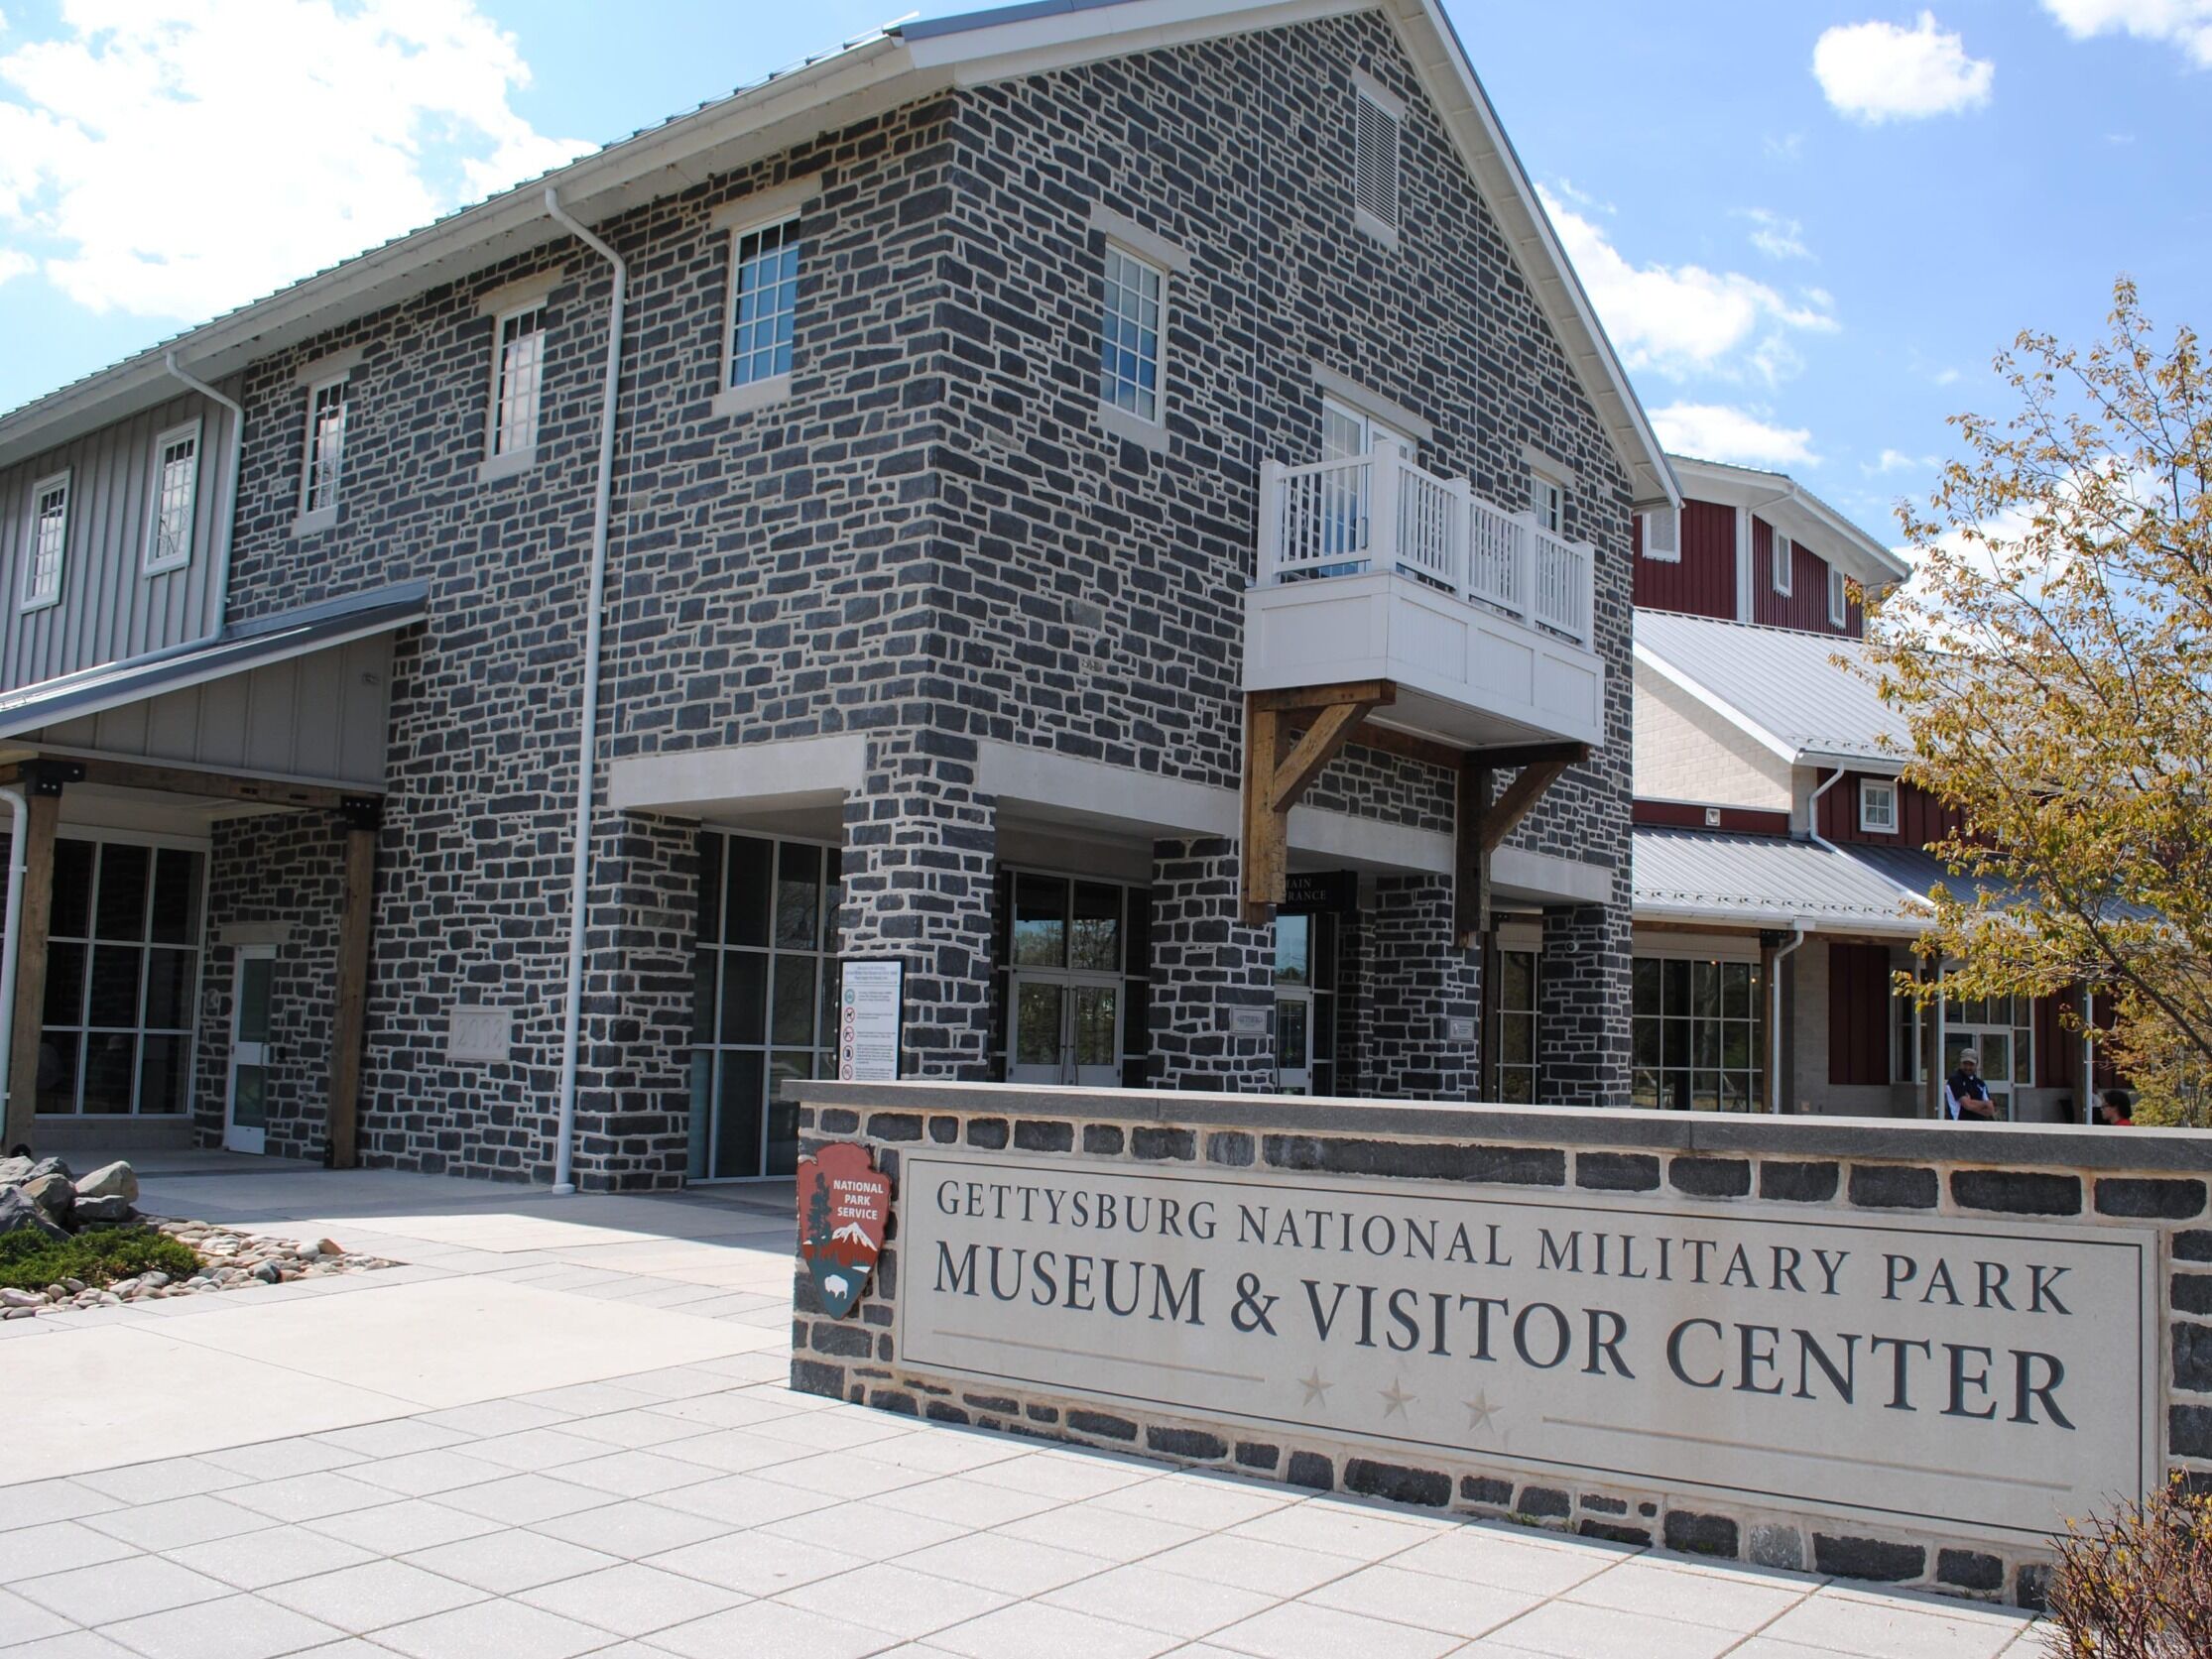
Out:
{"x": 1065, "y": 1029}
{"x": 246, "y": 1111}
{"x": 1294, "y": 1040}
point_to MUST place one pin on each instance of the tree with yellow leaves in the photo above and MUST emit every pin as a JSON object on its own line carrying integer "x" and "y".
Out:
{"x": 2053, "y": 660}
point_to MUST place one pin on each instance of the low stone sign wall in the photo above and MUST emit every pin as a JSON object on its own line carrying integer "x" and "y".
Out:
{"x": 1895, "y": 1351}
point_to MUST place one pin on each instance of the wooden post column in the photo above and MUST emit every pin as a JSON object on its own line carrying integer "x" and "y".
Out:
{"x": 1278, "y": 768}
{"x": 43, "y": 789}
{"x": 363, "y": 816}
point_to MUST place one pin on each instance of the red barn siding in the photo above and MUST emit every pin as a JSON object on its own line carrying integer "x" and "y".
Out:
{"x": 1858, "y": 1014}
{"x": 1805, "y": 605}
{"x": 1734, "y": 821}
{"x": 1921, "y": 818}
{"x": 1703, "y": 584}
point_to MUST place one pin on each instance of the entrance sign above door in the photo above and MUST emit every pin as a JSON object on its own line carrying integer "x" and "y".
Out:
{"x": 843, "y": 1207}
{"x": 1945, "y": 1374}
{"x": 868, "y": 1006}
{"x": 1321, "y": 892}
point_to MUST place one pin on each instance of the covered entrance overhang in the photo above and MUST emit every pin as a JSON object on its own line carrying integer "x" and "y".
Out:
{"x": 287, "y": 714}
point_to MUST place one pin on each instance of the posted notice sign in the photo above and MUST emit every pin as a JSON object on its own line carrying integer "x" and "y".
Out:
{"x": 1989, "y": 1376}
{"x": 868, "y": 1003}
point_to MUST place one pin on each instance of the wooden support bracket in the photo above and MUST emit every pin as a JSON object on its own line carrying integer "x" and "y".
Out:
{"x": 1281, "y": 763}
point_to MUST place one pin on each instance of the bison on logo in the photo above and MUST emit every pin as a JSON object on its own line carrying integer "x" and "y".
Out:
{"x": 843, "y": 1204}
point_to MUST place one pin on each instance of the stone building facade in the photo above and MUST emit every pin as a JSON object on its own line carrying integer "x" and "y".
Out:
{"x": 922, "y": 630}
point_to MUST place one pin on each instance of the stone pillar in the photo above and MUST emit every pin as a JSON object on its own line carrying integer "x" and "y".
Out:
{"x": 1583, "y": 1005}
{"x": 1416, "y": 982}
{"x": 920, "y": 864}
{"x": 634, "y": 1065}
{"x": 1207, "y": 962}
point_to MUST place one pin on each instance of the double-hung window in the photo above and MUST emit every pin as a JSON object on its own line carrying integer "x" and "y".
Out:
{"x": 517, "y": 369}
{"x": 1129, "y": 344}
{"x": 1547, "y": 499}
{"x": 174, "y": 496}
{"x": 324, "y": 461}
{"x": 1785, "y": 554}
{"x": 1839, "y": 598}
{"x": 1878, "y": 806}
{"x": 763, "y": 304}
{"x": 48, "y": 540}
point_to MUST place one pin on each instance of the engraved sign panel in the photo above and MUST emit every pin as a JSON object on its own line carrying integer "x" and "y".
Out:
{"x": 479, "y": 1035}
{"x": 1984, "y": 1375}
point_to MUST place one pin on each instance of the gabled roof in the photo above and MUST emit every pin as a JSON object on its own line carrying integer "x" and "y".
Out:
{"x": 1782, "y": 687}
{"x": 868, "y": 77}
{"x": 1786, "y": 503}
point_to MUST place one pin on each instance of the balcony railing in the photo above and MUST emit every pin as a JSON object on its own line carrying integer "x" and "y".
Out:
{"x": 1381, "y": 511}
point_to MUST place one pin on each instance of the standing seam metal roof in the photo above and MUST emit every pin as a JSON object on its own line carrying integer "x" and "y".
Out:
{"x": 1780, "y": 682}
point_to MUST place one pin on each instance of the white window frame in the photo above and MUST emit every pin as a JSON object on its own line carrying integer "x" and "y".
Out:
{"x": 1839, "y": 598}
{"x": 1377, "y": 111}
{"x": 1872, "y": 789}
{"x": 33, "y": 598}
{"x": 1547, "y": 503}
{"x": 1117, "y": 248}
{"x": 150, "y": 562}
{"x": 499, "y": 462}
{"x": 312, "y": 516}
{"x": 1672, "y": 517}
{"x": 732, "y": 398}
{"x": 1783, "y": 557}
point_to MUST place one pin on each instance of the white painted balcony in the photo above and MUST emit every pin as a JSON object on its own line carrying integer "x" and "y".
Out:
{"x": 1372, "y": 568}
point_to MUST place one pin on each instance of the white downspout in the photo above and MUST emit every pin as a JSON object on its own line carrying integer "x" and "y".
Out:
{"x": 2088, "y": 1053}
{"x": 227, "y": 523}
{"x": 587, "y": 730}
{"x": 18, "y": 869}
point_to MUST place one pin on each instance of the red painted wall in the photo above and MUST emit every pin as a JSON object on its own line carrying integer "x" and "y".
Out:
{"x": 1703, "y": 584}
{"x": 1734, "y": 821}
{"x": 1858, "y": 1014}
{"x": 1921, "y": 818}
{"x": 1805, "y": 605}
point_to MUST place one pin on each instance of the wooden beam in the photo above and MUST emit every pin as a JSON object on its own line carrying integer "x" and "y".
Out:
{"x": 1278, "y": 768}
{"x": 1376, "y": 693}
{"x": 1471, "y": 883}
{"x": 341, "y": 1129}
{"x": 188, "y": 781}
{"x": 1390, "y": 741}
{"x": 28, "y": 1013}
{"x": 1521, "y": 797}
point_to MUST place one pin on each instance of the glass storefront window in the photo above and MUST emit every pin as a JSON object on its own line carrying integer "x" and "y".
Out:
{"x": 764, "y": 991}
{"x": 1075, "y": 954}
{"x": 122, "y": 979}
{"x": 1306, "y": 1004}
{"x": 1696, "y": 1035}
{"x": 1516, "y": 1026}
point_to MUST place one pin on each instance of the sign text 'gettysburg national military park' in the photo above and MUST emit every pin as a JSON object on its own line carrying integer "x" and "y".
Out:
{"x": 1992, "y": 1375}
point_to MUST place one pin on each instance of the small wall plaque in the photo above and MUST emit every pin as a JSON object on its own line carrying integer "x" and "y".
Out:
{"x": 1459, "y": 1028}
{"x": 479, "y": 1035}
{"x": 1248, "y": 1023}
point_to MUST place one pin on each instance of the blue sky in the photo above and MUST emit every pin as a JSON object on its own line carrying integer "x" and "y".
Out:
{"x": 1807, "y": 225}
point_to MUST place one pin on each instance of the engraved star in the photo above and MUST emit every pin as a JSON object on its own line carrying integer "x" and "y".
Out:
{"x": 1316, "y": 1391}
{"x": 1396, "y": 1401}
{"x": 1479, "y": 1412}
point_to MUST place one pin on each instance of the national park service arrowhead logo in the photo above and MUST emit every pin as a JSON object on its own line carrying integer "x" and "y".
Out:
{"x": 843, "y": 1205}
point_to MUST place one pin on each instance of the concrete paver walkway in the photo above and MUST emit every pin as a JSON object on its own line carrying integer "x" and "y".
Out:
{"x": 561, "y": 1429}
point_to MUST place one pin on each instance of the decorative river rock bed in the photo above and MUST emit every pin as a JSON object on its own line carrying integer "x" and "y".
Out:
{"x": 42, "y": 1196}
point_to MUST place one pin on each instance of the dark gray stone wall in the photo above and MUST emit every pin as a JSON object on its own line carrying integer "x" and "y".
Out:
{"x": 932, "y": 540}
{"x": 1206, "y": 963}
{"x": 1414, "y": 979}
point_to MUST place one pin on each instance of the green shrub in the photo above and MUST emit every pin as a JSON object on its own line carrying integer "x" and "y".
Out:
{"x": 2137, "y": 1584}
{"x": 98, "y": 1256}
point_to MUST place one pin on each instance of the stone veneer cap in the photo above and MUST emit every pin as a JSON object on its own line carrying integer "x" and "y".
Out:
{"x": 2065, "y": 1145}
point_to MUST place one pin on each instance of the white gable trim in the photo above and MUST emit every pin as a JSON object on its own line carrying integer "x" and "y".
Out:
{"x": 1649, "y": 658}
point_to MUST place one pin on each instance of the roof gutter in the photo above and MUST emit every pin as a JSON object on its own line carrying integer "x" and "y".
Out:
{"x": 587, "y": 721}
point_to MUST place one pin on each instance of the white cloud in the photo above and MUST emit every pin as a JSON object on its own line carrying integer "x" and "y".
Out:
{"x": 2188, "y": 24}
{"x": 1883, "y": 72}
{"x": 1775, "y": 236}
{"x": 1717, "y": 433}
{"x": 14, "y": 263}
{"x": 175, "y": 158}
{"x": 1584, "y": 198}
{"x": 1684, "y": 320}
{"x": 1895, "y": 460}
{"x": 1788, "y": 148}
